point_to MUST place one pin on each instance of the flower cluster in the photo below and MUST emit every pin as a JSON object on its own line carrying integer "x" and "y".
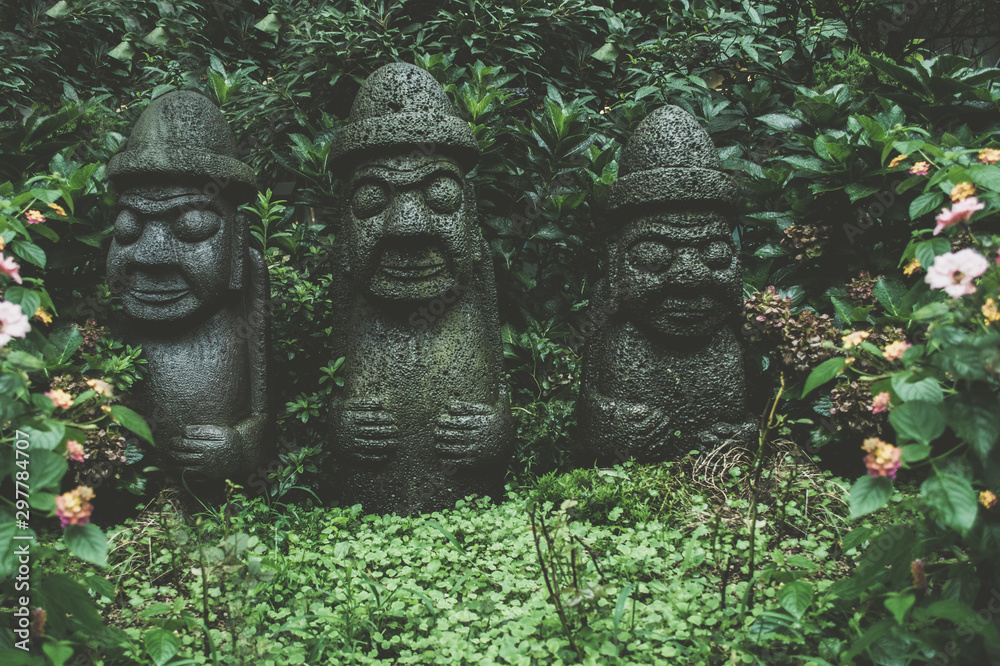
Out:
{"x": 861, "y": 289}
{"x": 34, "y": 217}
{"x": 920, "y": 168}
{"x": 801, "y": 338}
{"x": 10, "y": 268}
{"x": 60, "y": 398}
{"x": 851, "y": 405}
{"x": 895, "y": 350}
{"x": 854, "y": 338}
{"x": 880, "y": 403}
{"x": 989, "y": 155}
{"x": 991, "y": 313}
{"x": 960, "y": 212}
{"x": 988, "y": 499}
{"x": 883, "y": 459}
{"x": 807, "y": 240}
{"x": 74, "y": 451}
{"x": 955, "y": 271}
{"x": 74, "y": 507}
{"x": 13, "y": 323}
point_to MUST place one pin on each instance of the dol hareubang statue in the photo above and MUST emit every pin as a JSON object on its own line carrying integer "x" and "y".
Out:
{"x": 423, "y": 418}
{"x": 665, "y": 374}
{"x": 192, "y": 290}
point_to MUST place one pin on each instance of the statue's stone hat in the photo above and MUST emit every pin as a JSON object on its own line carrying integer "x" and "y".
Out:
{"x": 670, "y": 159}
{"x": 183, "y": 134}
{"x": 402, "y": 105}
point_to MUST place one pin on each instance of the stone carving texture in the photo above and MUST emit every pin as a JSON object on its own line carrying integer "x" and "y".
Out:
{"x": 193, "y": 292}
{"x": 423, "y": 416}
{"x": 664, "y": 375}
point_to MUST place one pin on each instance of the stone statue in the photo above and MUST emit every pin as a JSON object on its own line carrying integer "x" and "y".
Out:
{"x": 193, "y": 292}
{"x": 423, "y": 417}
{"x": 664, "y": 375}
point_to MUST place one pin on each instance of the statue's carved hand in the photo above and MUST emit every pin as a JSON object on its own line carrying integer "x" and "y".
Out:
{"x": 470, "y": 433}
{"x": 366, "y": 430}
{"x": 209, "y": 451}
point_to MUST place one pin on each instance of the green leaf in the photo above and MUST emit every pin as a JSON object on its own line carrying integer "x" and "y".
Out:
{"x": 932, "y": 311}
{"x": 66, "y": 341}
{"x": 823, "y": 373}
{"x": 48, "y": 437}
{"x": 856, "y": 537}
{"x": 912, "y": 453}
{"x": 780, "y": 121}
{"x": 898, "y": 603}
{"x": 123, "y": 52}
{"x": 269, "y": 24}
{"x": 158, "y": 37}
{"x": 986, "y": 176}
{"x": 926, "y": 251}
{"x": 795, "y": 597}
{"x": 607, "y": 53}
{"x": 25, "y": 360}
{"x": 977, "y": 424}
{"x": 869, "y": 493}
{"x": 620, "y": 605}
{"x": 918, "y": 420}
{"x": 8, "y": 544}
{"x": 890, "y": 294}
{"x": 927, "y": 389}
{"x": 46, "y": 469}
{"x": 924, "y": 204}
{"x": 953, "y": 500}
{"x": 59, "y": 653}
{"x": 88, "y": 543}
{"x": 132, "y": 421}
{"x": 161, "y": 645}
{"x": 29, "y": 252}
{"x": 28, "y": 299}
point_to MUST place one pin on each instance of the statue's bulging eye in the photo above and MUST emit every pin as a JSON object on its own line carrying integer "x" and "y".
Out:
{"x": 444, "y": 195}
{"x": 650, "y": 256}
{"x": 193, "y": 226}
{"x": 369, "y": 199}
{"x": 127, "y": 228}
{"x": 718, "y": 254}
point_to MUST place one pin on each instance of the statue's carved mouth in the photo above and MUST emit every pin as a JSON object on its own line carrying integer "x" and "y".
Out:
{"x": 158, "y": 289}
{"x": 160, "y": 296}
{"x": 689, "y": 305}
{"x": 416, "y": 263}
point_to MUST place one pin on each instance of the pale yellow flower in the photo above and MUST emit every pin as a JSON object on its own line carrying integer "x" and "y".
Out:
{"x": 962, "y": 191}
{"x": 854, "y": 339}
{"x": 101, "y": 387}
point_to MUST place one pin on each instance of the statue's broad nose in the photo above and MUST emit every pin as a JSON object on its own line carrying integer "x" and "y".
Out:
{"x": 408, "y": 216}
{"x": 688, "y": 269}
{"x": 155, "y": 247}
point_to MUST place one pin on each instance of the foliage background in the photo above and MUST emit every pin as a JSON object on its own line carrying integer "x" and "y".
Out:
{"x": 807, "y": 101}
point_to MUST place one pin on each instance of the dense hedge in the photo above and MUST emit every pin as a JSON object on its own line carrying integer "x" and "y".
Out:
{"x": 811, "y": 104}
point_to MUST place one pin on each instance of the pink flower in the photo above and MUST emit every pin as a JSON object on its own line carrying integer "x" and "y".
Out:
{"x": 8, "y": 266}
{"x": 954, "y": 272}
{"x": 60, "y": 398}
{"x": 883, "y": 458}
{"x": 13, "y": 323}
{"x": 34, "y": 217}
{"x": 894, "y": 350}
{"x": 960, "y": 212}
{"x": 74, "y": 451}
{"x": 881, "y": 403}
{"x": 920, "y": 168}
{"x": 74, "y": 507}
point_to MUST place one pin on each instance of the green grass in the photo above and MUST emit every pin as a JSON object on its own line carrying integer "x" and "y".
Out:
{"x": 650, "y": 562}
